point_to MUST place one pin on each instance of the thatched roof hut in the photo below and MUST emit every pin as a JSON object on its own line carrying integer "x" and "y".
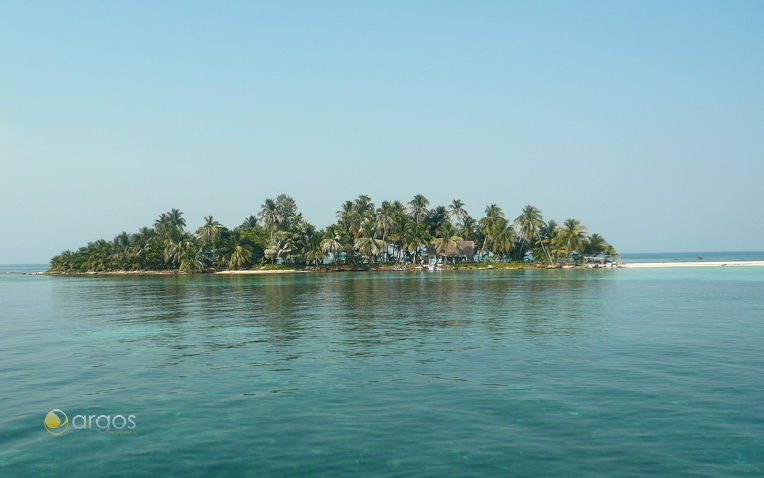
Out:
{"x": 462, "y": 249}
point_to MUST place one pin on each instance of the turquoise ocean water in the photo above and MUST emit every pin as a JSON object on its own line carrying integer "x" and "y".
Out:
{"x": 693, "y": 256}
{"x": 641, "y": 372}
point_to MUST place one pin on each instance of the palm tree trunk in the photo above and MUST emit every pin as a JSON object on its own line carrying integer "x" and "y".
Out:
{"x": 543, "y": 248}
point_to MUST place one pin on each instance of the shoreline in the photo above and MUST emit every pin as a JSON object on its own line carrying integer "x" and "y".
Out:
{"x": 633, "y": 265}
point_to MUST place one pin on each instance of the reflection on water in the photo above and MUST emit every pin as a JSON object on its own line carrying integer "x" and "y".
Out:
{"x": 353, "y": 313}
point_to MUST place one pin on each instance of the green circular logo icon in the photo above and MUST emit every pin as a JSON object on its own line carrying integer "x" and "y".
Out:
{"x": 56, "y": 422}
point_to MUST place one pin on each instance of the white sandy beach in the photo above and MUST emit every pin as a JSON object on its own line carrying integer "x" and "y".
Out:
{"x": 693, "y": 264}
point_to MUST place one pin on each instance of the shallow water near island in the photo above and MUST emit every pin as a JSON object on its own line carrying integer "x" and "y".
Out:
{"x": 626, "y": 372}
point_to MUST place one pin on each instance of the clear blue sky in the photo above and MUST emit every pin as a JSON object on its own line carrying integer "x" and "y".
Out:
{"x": 644, "y": 120}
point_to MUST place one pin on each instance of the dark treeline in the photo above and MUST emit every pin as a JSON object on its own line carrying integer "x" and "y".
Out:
{"x": 392, "y": 233}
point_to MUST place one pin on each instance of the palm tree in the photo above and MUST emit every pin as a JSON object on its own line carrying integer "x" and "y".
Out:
{"x": 249, "y": 222}
{"x": 548, "y": 231}
{"x": 144, "y": 244}
{"x": 287, "y": 211}
{"x": 488, "y": 224}
{"x": 363, "y": 206}
{"x": 237, "y": 249}
{"x": 192, "y": 263}
{"x": 331, "y": 245}
{"x": 418, "y": 208}
{"x": 191, "y": 257}
{"x": 122, "y": 240}
{"x": 385, "y": 221}
{"x": 436, "y": 218}
{"x": 398, "y": 208}
{"x": 572, "y": 236}
{"x": 456, "y": 212}
{"x": 170, "y": 227}
{"x": 281, "y": 245}
{"x": 210, "y": 231}
{"x": 548, "y": 234}
{"x": 345, "y": 209}
{"x": 398, "y": 231}
{"x": 99, "y": 256}
{"x": 468, "y": 228}
{"x": 170, "y": 220}
{"x": 368, "y": 244}
{"x": 121, "y": 250}
{"x": 530, "y": 223}
{"x": 596, "y": 245}
{"x": 502, "y": 238}
{"x": 144, "y": 235}
{"x": 64, "y": 262}
{"x": 313, "y": 249}
{"x": 417, "y": 236}
{"x": 446, "y": 236}
{"x": 271, "y": 216}
{"x": 355, "y": 221}
{"x": 177, "y": 247}
{"x": 385, "y": 218}
{"x": 610, "y": 251}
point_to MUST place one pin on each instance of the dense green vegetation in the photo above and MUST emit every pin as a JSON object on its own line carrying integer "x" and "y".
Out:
{"x": 363, "y": 234}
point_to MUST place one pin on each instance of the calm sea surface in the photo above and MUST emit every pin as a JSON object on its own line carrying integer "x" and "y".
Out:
{"x": 693, "y": 256}
{"x": 641, "y": 372}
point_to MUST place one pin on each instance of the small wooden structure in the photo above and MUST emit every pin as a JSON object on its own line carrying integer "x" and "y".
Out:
{"x": 598, "y": 260}
{"x": 463, "y": 251}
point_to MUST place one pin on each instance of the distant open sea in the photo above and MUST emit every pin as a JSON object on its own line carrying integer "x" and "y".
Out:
{"x": 693, "y": 256}
{"x": 519, "y": 373}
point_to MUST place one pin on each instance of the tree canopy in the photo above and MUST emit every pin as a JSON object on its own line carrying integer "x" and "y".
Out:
{"x": 395, "y": 232}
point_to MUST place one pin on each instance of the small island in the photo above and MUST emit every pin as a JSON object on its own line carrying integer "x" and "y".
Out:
{"x": 392, "y": 236}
